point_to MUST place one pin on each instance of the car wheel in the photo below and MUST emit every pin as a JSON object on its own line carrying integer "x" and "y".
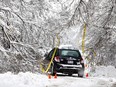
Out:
{"x": 70, "y": 74}
{"x": 81, "y": 73}
{"x": 52, "y": 70}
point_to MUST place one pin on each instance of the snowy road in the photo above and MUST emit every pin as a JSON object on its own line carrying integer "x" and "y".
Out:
{"x": 66, "y": 81}
{"x": 102, "y": 77}
{"x": 37, "y": 80}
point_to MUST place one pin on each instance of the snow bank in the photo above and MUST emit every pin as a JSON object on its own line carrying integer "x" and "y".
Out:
{"x": 103, "y": 71}
{"x": 29, "y": 79}
{"x": 22, "y": 80}
{"x": 38, "y": 80}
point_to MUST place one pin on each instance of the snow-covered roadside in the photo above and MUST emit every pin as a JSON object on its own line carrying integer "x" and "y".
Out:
{"x": 39, "y": 80}
{"x": 104, "y": 71}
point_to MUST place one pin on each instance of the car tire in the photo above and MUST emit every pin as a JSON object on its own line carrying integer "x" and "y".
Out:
{"x": 52, "y": 70}
{"x": 70, "y": 74}
{"x": 81, "y": 73}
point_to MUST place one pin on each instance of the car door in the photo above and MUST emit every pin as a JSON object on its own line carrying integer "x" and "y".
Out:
{"x": 50, "y": 55}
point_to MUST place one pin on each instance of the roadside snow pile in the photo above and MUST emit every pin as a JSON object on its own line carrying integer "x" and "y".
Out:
{"x": 38, "y": 80}
{"x": 29, "y": 79}
{"x": 103, "y": 71}
{"x": 22, "y": 80}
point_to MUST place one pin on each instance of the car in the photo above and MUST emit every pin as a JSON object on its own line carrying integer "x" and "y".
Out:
{"x": 67, "y": 60}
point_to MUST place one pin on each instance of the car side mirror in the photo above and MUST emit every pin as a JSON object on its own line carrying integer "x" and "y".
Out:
{"x": 46, "y": 54}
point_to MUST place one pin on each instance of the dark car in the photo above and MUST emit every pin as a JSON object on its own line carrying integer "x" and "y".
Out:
{"x": 66, "y": 60}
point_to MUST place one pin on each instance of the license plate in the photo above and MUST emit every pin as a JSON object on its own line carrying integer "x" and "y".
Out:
{"x": 70, "y": 62}
{"x": 78, "y": 63}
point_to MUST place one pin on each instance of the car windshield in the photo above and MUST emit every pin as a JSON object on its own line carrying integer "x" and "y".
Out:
{"x": 70, "y": 53}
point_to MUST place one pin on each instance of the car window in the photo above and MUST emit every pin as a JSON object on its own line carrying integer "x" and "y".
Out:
{"x": 70, "y": 53}
{"x": 51, "y": 53}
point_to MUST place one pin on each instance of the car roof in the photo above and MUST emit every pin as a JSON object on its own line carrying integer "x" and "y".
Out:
{"x": 67, "y": 47}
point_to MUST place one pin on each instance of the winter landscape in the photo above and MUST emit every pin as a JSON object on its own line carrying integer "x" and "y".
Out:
{"x": 30, "y": 28}
{"x": 103, "y": 77}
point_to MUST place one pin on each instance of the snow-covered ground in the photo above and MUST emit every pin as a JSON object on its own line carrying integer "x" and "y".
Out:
{"x": 102, "y": 77}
